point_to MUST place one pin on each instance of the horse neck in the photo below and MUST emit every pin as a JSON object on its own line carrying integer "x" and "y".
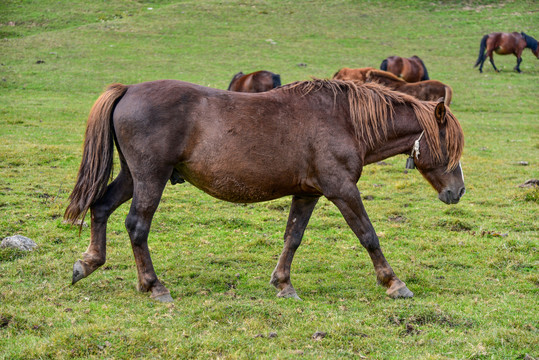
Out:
{"x": 402, "y": 134}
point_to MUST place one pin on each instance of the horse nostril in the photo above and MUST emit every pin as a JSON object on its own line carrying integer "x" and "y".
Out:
{"x": 462, "y": 192}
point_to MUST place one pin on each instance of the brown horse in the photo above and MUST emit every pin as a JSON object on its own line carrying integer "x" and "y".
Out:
{"x": 411, "y": 69}
{"x": 504, "y": 44}
{"x": 258, "y": 81}
{"x": 429, "y": 90}
{"x": 308, "y": 139}
{"x": 352, "y": 74}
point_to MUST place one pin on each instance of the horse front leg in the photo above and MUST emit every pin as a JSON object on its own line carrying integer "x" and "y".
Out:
{"x": 519, "y": 60}
{"x": 348, "y": 201}
{"x": 118, "y": 192}
{"x": 300, "y": 213}
{"x": 146, "y": 197}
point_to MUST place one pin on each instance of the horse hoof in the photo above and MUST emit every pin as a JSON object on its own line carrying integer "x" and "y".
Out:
{"x": 288, "y": 293}
{"x": 78, "y": 272}
{"x": 164, "y": 298}
{"x": 399, "y": 291}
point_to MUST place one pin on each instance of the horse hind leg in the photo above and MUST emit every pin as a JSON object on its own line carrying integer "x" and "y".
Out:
{"x": 300, "y": 213}
{"x": 491, "y": 57}
{"x": 483, "y": 58}
{"x": 146, "y": 198}
{"x": 118, "y": 192}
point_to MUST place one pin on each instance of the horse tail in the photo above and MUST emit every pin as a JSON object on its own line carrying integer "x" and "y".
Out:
{"x": 425, "y": 72}
{"x": 234, "y": 78}
{"x": 482, "y": 49}
{"x": 97, "y": 157}
{"x": 383, "y": 65}
{"x": 448, "y": 95}
{"x": 276, "y": 80}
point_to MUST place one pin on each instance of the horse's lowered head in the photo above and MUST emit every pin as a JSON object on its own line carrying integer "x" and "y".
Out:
{"x": 532, "y": 44}
{"x": 441, "y": 167}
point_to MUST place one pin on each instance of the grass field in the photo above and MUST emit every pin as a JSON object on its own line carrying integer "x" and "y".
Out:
{"x": 473, "y": 267}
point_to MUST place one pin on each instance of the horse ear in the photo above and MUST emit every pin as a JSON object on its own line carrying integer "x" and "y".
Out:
{"x": 439, "y": 112}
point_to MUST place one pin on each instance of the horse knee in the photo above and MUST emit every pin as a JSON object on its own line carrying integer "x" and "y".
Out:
{"x": 370, "y": 241}
{"x": 137, "y": 230}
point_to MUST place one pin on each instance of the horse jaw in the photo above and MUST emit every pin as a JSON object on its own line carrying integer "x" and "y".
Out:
{"x": 449, "y": 185}
{"x": 450, "y": 196}
{"x": 455, "y": 189}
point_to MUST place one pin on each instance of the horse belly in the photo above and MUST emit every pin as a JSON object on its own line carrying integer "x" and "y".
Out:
{"x": 500, "y": 50}
{"x": 243, "y": 178}
{"x": 239, "y": 187}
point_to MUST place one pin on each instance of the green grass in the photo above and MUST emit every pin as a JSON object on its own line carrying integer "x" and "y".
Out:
{"x": 472, "y": 266}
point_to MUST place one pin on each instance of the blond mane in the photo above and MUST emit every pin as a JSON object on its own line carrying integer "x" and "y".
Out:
{"x": 385, "y": 74}
{"x": 372, "y": 109}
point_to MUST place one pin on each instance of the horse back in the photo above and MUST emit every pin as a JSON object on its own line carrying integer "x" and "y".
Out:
{"x": 222, "y": 141}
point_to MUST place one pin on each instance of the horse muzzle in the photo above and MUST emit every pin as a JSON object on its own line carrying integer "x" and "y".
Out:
{"x": 451, "y": 196}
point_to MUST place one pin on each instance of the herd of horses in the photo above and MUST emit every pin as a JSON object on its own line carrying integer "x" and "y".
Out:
{"x": 261, "y": 140}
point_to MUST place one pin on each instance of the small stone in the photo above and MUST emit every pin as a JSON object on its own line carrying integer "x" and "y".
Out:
{"x": 18, "y": 242}
{"x": 319, "y": 335}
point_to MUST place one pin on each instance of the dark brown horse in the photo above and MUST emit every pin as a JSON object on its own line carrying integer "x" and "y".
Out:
{"x": 358, "y": 74}
{"x": 258, "y": 81}
{"x": 505, "y": 44}
{"x": 411, "y": 69}
{"x": 306, "y": 140}
{"x": 429, "y": 90}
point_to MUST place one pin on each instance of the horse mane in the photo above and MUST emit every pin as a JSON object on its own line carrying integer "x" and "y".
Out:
{"x": 530, "y": 42}
{"x": 387, "y": 75}
{"x": 371, "y": 107}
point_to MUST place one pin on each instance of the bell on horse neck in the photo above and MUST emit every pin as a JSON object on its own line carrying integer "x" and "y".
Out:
{"x": 410, "y": 163}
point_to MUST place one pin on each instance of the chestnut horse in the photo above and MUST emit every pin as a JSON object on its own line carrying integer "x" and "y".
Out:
{"x": 504, "y": 44}
{"x": 358, "y": 74}
{"x": 306, "y": 140}
{"x": 258, "y": 81}
{"x": 411, "y": 69}
{"x": 429, "y": 90}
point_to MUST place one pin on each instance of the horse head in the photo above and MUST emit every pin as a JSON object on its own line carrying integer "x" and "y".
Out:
{"x": 443, "y": 171}
{"x": 531, "y": 43}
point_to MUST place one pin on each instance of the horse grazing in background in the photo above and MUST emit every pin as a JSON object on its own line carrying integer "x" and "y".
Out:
{"x": 429, "y": 90}
{"x": 411, "y": 69}
{"x": 306, "y": 140}
{"x": 504, "y": 44}
{"x": 258, "y": 81}
{"x": 352, "y": 74}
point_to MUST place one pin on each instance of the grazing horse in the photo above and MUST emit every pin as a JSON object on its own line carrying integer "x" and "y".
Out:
{"x": 352, "y": 74}
{"x": 258, "y": 81}
{"x": 504, "y": 44}
{"x": 306, "y": 140}
{"x": 411, "y": 69}
{"x": 428, "y": 90}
